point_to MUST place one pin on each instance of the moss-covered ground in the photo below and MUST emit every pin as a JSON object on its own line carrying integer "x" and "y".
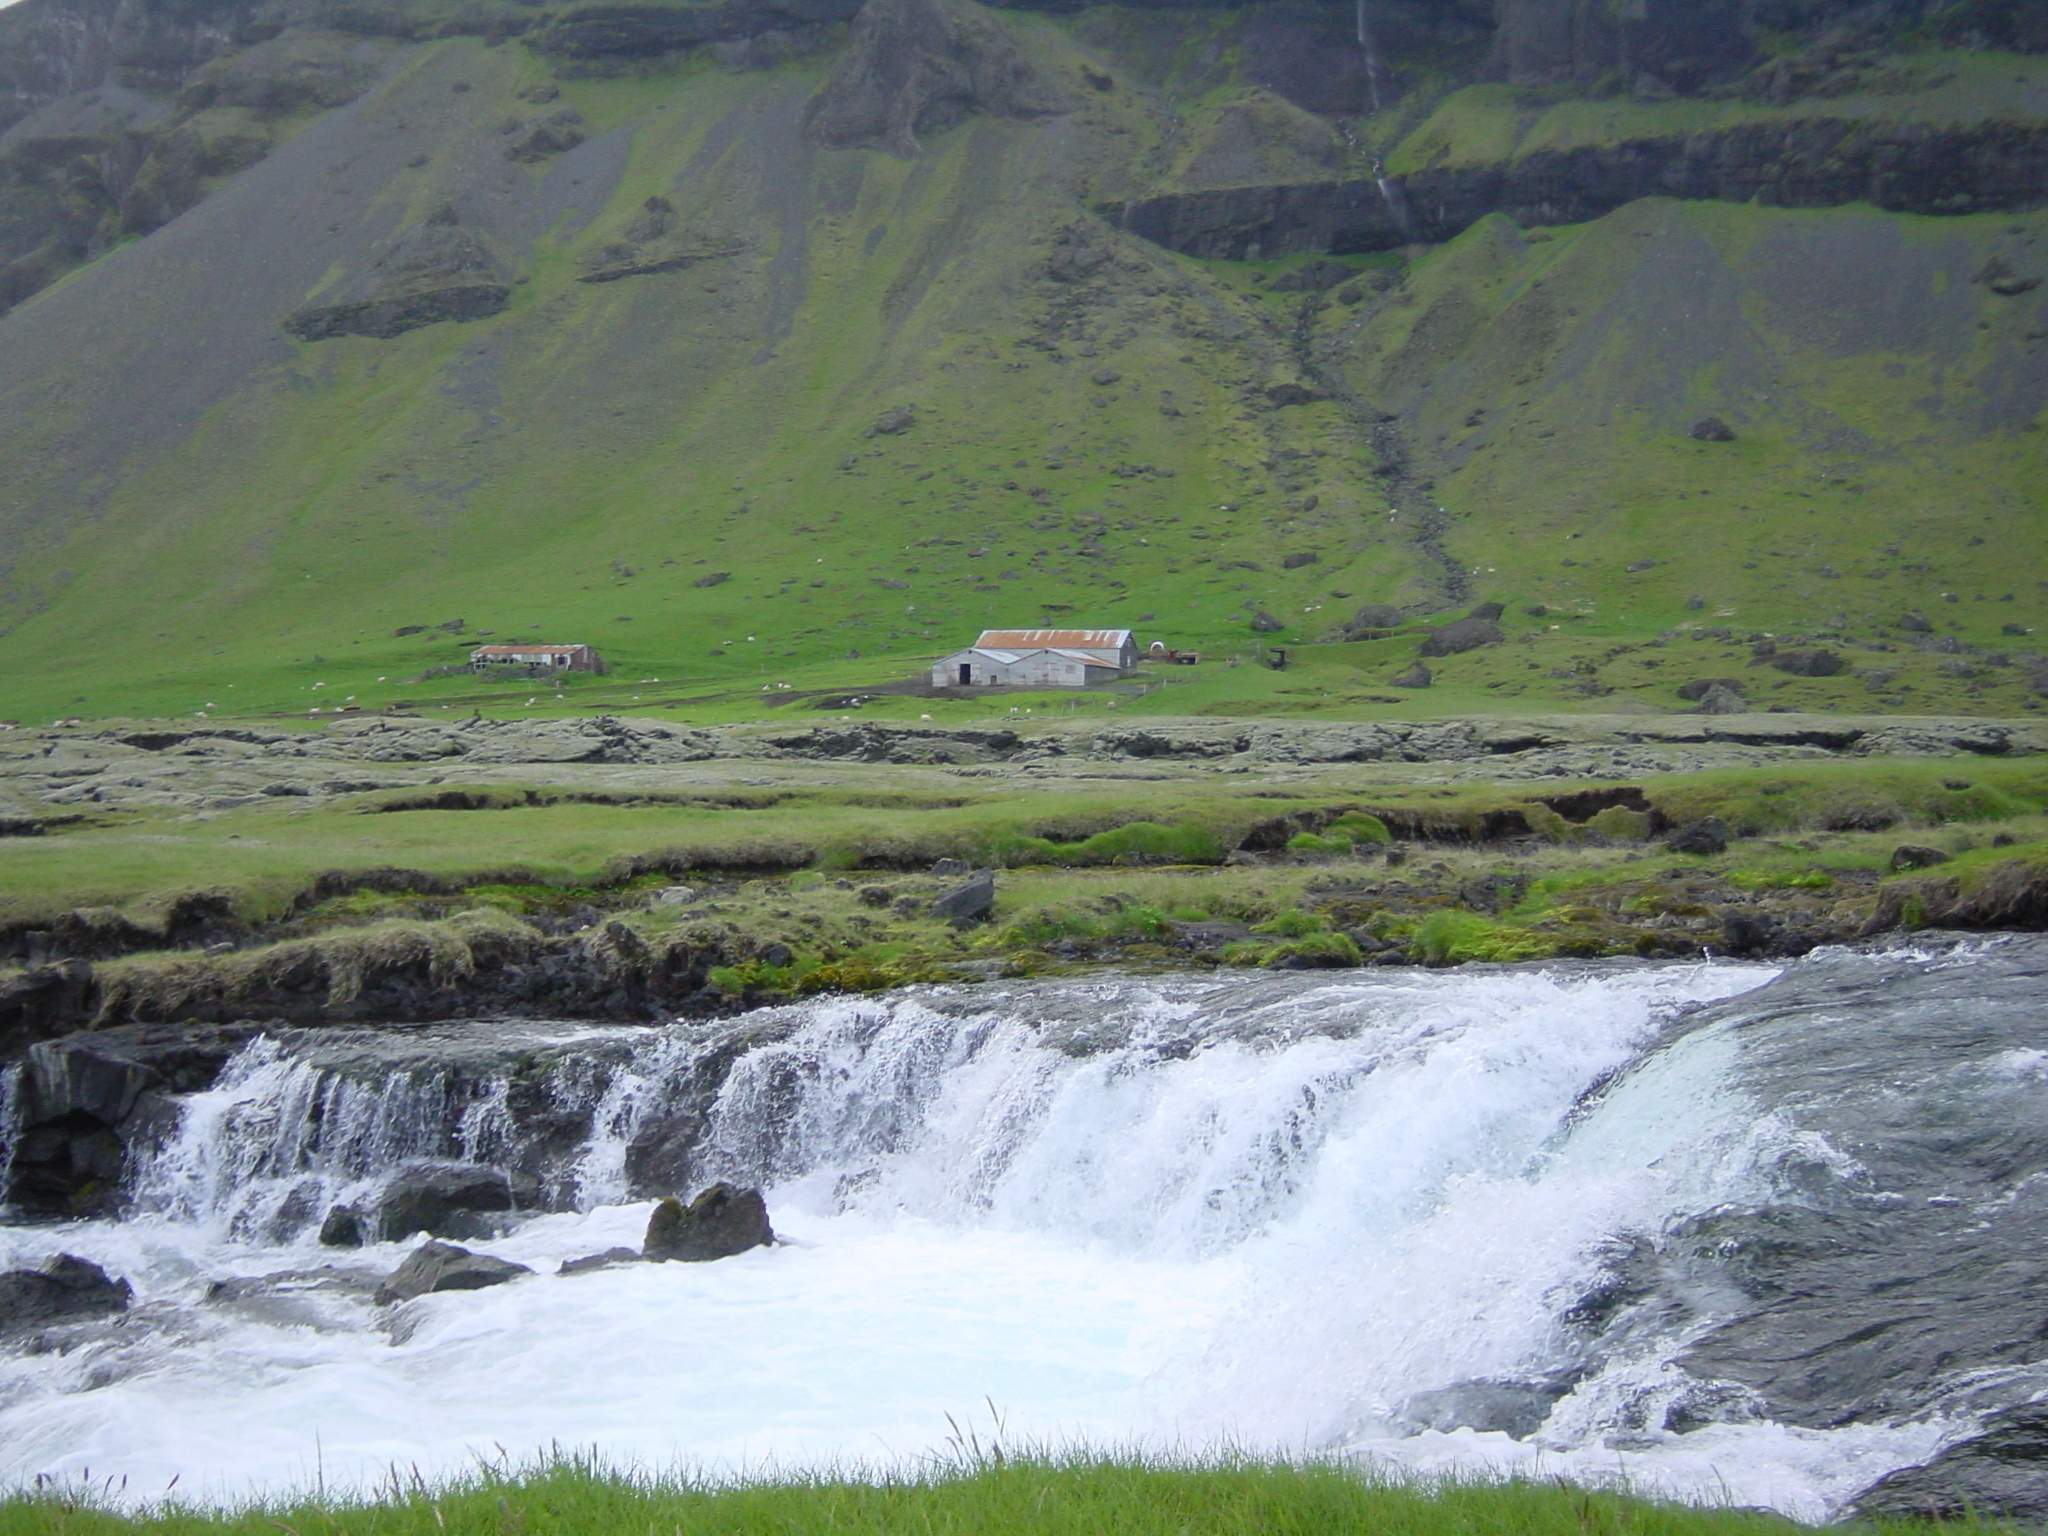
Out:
{"x": 767, "y": 894}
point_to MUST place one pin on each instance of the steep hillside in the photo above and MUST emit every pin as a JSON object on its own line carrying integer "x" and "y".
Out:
{"x": 776, "y": 341}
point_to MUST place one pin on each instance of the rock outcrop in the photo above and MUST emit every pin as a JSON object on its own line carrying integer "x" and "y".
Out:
{"x": 1814, "y": 163}
{"x": 435, "y": 270}
{"x": 917, "y": 67}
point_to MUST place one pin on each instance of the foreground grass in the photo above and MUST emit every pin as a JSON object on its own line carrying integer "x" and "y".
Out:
{"x": 1128, "y": 1495}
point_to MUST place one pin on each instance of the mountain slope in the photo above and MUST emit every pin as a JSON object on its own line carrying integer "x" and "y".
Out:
{"x": 815, "y": 345}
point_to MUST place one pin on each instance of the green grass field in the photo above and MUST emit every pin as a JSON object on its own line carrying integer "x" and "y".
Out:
{"x": 987, "y": 1494}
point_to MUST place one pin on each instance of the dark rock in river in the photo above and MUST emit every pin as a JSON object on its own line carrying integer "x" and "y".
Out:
{"x": 611, "y": 1258}
{"x": 1516, "y": 1408}
{"x": 67, "y": 1289}
{"x": 1999, "y": 1474}
{"x": 722, "y": 1221}
{"x": 435, "y": 1267}
{"x": 1894, "y": 1260}
{"x": 451, "y": 1200}
{"x": 343, "y": 1227}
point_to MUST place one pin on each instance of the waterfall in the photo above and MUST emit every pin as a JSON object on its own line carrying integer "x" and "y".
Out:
{"x": 263, "y": 1154}
{"x": 10, "y": 1125}
{"x": 1440, "y": 1220}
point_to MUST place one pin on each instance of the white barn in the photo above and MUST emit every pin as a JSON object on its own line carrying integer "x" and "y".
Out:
{"x": 1039, "y": 658}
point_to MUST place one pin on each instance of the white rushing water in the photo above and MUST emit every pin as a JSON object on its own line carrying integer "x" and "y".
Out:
{"x": 1259, "y": 1212}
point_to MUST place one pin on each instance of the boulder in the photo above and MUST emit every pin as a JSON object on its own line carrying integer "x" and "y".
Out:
{"x": 451, "y": 1200}
{"x": 1372, "y": 620}
{"x": 1461, "y": 635}
{"x": 1706, "y": 837}
{"x": 897, "y": 419}
{"x": 1722, "y": 700}
{"x": 1916, "y": 856}
{"x": 1700, "y": 687}
{"x": 1808, "y": 663}
{"x": 1417, "y": 676}
{"x": 67, "y": 1289}
{"x": 434, "y": 1267}
{"x": 722, "y": 1221}
{"x": 1915, "y": 624}
{"x": 1298, "y": 559}
{"x": 1488, "y": 611}
{"x": 968, "y": 903}
{"x": 1263, "y": 623}
{"x": 1711, "y": 429}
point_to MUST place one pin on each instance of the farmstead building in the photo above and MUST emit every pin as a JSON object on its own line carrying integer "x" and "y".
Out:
{"x": 562, "y": 658}
{"x": 1039, "y": 658}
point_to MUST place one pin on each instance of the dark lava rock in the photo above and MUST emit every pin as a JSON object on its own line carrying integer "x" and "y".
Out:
{"x": 1700, "y": 687}
{"x": 1999, "y": 1474}
{"x": 722, "y": 1221}
{"x": 344, "y": 1227}
{"x": 712, "y": 579}
{"x": 1300, "y": 558}
{"x": 1488, "y": 611}
{"x": 897, "y": 419}
{"x": 1461, "y": 635}
{"x": 67, "y": 1289}
{"x": 1712, "y": 429}
{"x": 1516, "y": 1408}
{"x": 1417, "y": 676}
{"x": 611, "y": 1258}
{"x": 951, "y": 867}
{"x": 917, "y": 67}
{"x": 433, "y": 1267}
{"x": 1263, "y": 623}
{"x": 1915, "y": 623}
{"x": 1808, "y": 663}
{"x": 1706, "y": 837}
{"x": 451, "y": 1200}
{"x": 967, "y": 903}
{"x": 1916, "y": 856}
{"x": 1639, "y": 565}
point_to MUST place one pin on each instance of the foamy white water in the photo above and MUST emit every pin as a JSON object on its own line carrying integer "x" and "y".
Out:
{"x": 1263, "y": 1212}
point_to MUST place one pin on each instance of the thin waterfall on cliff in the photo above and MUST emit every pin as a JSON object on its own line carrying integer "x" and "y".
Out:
{"x": 1370, "y": 49}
